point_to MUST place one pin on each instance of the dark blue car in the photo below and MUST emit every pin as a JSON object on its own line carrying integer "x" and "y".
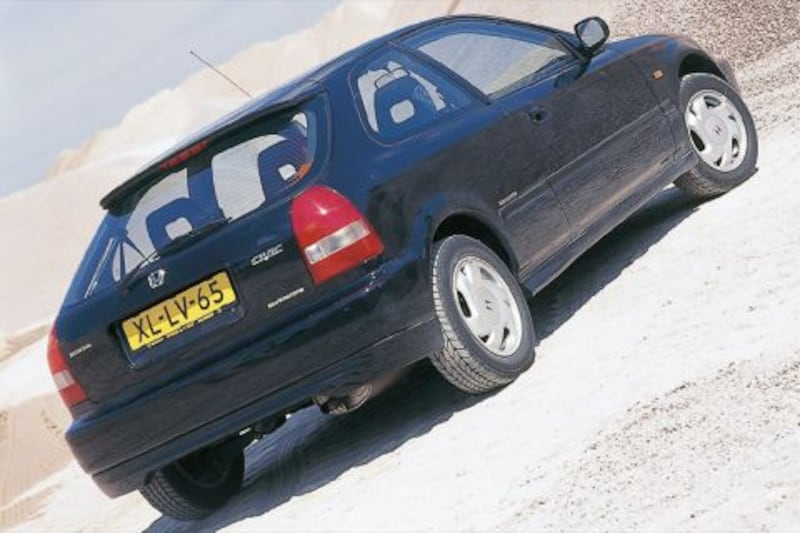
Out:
{"x": 396, "y": 204}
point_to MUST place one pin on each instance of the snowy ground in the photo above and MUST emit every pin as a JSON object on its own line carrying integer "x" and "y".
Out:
{"x": 665, "y": 396}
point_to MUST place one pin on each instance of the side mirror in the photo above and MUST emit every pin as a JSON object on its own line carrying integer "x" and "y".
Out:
{"x": 592, "y": 33}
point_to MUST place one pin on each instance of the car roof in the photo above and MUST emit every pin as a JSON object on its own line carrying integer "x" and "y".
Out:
{"x": 285, "y": 96}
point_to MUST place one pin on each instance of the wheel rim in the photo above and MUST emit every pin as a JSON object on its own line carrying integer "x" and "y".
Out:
{"x": 487, "y": 306}
{"x": 717, "y": 130}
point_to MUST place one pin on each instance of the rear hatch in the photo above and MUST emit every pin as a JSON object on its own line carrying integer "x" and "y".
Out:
{"x": 197, "y": 260}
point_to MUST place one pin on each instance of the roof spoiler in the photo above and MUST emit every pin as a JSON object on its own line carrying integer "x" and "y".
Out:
{"x": 194, "y": 145}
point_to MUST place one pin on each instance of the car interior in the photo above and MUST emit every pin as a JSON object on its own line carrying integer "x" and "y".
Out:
{"x": 402, "y": 104}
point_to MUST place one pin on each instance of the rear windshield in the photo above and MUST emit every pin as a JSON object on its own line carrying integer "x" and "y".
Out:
{"x": 232, "y": 177}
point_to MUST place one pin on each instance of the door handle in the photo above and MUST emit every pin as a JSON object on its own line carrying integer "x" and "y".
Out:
{"x": 538, "y": 115}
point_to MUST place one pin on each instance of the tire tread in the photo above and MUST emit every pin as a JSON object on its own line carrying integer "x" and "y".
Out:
{"x": 704, "y": 182}
{"x": 161, "y": 494}
{"x": 454, "y": 361}
{"x": 695, "y": 185}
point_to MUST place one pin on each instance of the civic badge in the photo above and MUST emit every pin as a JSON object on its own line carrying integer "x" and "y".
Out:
{"x": 156, "y": 278}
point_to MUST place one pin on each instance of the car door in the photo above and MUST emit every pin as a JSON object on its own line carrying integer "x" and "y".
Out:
{"x": 503, "y": 63}
{"x": 609, "y": 138}
{"x": 577, "y": 118}
{"x": 431, "y": 124}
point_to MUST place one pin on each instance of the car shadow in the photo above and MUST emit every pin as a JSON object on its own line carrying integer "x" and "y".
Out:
{"x": 606, "y": 260}
{"x": 313, "y": 449}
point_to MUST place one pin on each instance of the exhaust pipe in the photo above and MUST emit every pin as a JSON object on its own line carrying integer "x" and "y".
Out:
{"x": 347, "y": 403}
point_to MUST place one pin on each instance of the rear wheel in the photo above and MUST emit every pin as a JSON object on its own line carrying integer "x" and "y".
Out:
{"x": 193, "y": 487}
{"x": 722, "y": 134}
{"x": 486, "y": 324}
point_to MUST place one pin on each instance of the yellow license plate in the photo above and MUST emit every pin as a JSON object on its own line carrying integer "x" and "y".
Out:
{"x": 174, "y": 315}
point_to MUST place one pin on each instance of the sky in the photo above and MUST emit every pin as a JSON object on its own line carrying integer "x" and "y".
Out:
{"x": 69, "y": 68}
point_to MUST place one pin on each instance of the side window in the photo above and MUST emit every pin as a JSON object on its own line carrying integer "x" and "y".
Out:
{"x": 497, "y": 58}
{"x": 400, "y": 96}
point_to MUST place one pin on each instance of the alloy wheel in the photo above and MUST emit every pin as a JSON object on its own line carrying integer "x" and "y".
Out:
{"x": 717, "y": 130}
{"x": 487, "y": 306}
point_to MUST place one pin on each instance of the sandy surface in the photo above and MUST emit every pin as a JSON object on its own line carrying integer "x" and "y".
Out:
{"x": 665, "y": 396}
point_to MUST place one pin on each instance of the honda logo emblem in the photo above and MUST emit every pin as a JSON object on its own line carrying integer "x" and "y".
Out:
{"x": 156, "y": 278}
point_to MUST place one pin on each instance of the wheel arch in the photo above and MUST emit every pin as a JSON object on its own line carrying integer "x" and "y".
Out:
{"x": 475, "y": 226}
{"x": 696, "y": 62}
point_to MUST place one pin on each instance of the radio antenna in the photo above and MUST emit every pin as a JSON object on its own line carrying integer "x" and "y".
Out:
{"x": 215, "y": 69}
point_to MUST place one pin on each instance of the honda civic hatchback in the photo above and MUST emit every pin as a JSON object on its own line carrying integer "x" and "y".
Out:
{"x": 398, "y": 203}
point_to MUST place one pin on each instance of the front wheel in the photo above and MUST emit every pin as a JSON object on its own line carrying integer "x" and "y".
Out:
{"x": 486, "y": 324}
{"x": 195, "y": 486}
{"x": 722, "y": 134}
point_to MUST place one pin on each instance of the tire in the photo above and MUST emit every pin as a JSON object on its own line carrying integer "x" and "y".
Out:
{"x": 712, "y": 177}
{"x": 177, "y": 492}
{"x": 472, "y": 360}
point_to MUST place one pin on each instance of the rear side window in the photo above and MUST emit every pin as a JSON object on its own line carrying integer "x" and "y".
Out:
{"x": 234, "y": 176}
{"x": 400, "y": 96}
{"x": 497, "y": 58}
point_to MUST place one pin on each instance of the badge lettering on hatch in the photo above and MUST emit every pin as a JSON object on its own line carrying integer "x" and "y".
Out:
{"x": 265, "y": 256}
{"x": 78, "y": 351}
{"x": 286, "y": 297}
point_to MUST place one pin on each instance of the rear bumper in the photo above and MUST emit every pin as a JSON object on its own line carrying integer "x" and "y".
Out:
{"x": 383, "y": 323}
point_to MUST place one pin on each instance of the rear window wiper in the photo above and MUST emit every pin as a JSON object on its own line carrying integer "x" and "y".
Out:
{"x": 176, "y": 244}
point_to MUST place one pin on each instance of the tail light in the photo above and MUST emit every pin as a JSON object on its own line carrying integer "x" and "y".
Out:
{"x": 68, "y": 388}
{"x": 333, "y": 235}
